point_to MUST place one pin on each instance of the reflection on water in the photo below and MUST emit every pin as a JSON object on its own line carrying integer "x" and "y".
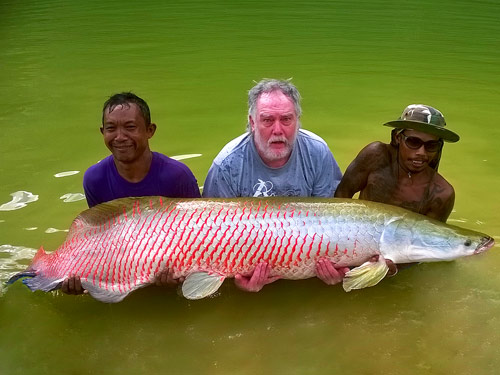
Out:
{"x": 356, "y": 64}
{"x": 14, "y": 259}
{"x": 65, "y": 174}
{"x": 185, "y": 156}
{"x": 72, "y": 197}
{"x": 55, "y": 230}
{"x": 19, "y": 200}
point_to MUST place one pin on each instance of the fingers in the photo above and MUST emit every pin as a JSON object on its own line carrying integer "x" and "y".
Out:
{"x": 72, "y": 285}
{"x": 393, "y": 268}
{"x": 166, "y": 278}
{"x": 328, "y": 273}
{"x": 256, "y": 281}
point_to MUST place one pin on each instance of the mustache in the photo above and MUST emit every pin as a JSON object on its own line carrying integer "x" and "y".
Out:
{"x": 278, "y": 139}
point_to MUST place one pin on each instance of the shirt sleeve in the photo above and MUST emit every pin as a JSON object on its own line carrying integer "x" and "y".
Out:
{"x": 92, "y": 198}
{"x": 190, "y": 187}
{"x": 217, "y": 184}
{"x": 328, "y": 178}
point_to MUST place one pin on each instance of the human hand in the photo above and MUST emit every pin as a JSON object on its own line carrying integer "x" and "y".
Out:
{"x": 257, "y": 280}
{"x": 328, "y": 273}
{"x": 166, "y": 278}
{"x": 73, "y": 285}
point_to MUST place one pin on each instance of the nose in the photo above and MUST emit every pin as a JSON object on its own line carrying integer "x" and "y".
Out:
{"x": 120, "y": 135}
{"x": 277, "y": 128}
{"x": 421, "y": 150}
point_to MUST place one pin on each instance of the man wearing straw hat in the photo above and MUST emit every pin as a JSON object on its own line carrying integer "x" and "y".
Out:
{"x": 405, "y": 172}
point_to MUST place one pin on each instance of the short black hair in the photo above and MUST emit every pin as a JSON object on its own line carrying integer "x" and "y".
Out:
{"x": 125, "y": 98}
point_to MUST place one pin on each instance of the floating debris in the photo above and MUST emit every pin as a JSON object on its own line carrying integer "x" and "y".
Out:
{"x": 31, "y": 228}
{"x": 185, "y": 156}
{"x": 72, "y": 197}
{"x": 65, "y": 174}
{"x": 19, "y": 200}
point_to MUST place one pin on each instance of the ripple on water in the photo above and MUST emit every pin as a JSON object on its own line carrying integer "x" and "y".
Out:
{"x": 19, "y": 200}
{"x": 13, "y": 259}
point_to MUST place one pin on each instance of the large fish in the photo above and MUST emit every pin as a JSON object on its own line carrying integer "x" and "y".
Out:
{"x": 122, "y": 245}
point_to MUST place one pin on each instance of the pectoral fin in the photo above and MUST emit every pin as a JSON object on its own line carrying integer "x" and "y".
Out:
{"x": 368, "y": 274}
{"x": 201, "y": 284}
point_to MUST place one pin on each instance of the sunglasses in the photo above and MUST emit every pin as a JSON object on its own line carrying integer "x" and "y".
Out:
{"x": 415, "y": 143}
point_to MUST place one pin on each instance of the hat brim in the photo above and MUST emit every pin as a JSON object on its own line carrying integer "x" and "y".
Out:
{"x": 442, "y": 133}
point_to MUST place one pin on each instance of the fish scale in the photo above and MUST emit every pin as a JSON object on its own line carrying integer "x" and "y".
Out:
{"x": 122, "y": 245}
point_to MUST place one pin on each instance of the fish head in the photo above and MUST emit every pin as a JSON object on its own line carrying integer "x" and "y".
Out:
{"x": 428, "y": 240}
{"x": 435, "y": 241}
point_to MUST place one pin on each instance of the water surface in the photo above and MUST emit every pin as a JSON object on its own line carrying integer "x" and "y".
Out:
{"x": 357, "y": 65}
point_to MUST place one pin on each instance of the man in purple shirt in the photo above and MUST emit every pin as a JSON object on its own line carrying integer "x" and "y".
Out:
{"x": 132, "y": 169}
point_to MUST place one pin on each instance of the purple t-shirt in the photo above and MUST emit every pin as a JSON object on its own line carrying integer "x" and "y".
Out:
{"x": 166, "y": 177}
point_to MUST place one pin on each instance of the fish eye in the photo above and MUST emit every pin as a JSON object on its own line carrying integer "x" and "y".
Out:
{"x": 467, "y": 242}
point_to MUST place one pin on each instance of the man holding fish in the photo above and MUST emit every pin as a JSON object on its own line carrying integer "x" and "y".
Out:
{"x": 275, "y": 157}
{"x": 404, "y": 172}
{"x": 132, "y": 169}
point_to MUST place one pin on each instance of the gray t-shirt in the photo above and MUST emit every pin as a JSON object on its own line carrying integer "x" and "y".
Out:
{"x": 238, "y": 170}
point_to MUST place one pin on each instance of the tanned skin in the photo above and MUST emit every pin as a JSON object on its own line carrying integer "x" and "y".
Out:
{"x": 399, "y": 176}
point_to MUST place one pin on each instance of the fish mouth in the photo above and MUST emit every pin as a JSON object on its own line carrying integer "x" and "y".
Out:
{"x": 485, "y": 244}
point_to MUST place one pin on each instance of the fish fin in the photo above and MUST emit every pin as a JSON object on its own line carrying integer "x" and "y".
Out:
{"x": 20, "y": 275}
{"x": 35, "y": 280}
{"x": 368, "y": 274}
{"x": 39, "y": 255}
{"x": 40, "y": 282}
{"x": 201, "y": 284}
{"x": 104, "y": 295}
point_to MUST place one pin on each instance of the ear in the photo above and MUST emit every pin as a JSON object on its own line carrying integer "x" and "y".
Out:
{"x": 251, "y": 122}
{"x": 102, "y": 130}
{"x": 151, "y": 130}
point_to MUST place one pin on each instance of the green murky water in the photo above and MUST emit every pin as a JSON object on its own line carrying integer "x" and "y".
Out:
{"x": 357, "y": 65}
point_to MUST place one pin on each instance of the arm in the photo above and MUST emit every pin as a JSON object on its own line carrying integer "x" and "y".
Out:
{"x": 91, "y": 198}
{"x": 356, "y": 175}
{"x": 328, "y": 177}
{"x": 442, "y": 202}
{"x": 188, "y": 186}
{"x": 217, "y": 184}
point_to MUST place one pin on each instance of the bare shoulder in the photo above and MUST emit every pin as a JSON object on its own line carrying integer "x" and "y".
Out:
{"x": 441, "y": 198}
{"x": 375, "y": 155}
{"x": 372, "y": 159}
{"x": 442, "y": 188}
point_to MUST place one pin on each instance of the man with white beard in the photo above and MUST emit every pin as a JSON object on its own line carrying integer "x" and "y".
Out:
{"x": 275, "y": 158}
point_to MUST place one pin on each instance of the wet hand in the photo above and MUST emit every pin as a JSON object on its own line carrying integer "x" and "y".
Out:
{"x": 257, "y": 280}
{"x": 73, "y": 285}
{"x": 166, "y": 278}
{"x": 328, "y": 273}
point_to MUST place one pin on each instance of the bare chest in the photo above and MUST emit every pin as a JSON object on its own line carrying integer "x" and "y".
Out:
{"x": 407, "y": 192}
